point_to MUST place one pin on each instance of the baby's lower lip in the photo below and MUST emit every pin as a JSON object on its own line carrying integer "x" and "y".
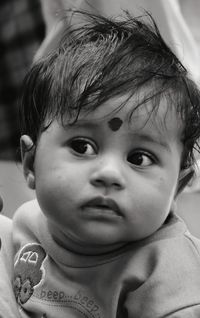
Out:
{"x": 99, "y": 211}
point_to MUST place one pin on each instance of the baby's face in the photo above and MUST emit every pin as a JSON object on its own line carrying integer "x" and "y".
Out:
{"x": 105, "y": 181}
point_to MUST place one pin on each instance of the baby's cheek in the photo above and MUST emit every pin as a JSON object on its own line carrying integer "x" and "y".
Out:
{"x": 54, "y": 197}
{"x": 46, "y": 196}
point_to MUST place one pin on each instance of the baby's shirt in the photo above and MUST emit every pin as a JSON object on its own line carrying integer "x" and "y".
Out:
{"x": 156, "y": 277}
{"x": 8, "y": 306}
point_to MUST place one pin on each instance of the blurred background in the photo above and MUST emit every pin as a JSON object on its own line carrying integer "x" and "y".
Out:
{"x": 28, "y": 29}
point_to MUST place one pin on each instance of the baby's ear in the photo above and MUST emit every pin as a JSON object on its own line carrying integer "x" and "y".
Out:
{"x": 184, "y": 178}
{"x": 28, "y": 155}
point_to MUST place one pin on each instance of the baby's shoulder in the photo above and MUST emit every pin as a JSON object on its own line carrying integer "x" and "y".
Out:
{"x": 26, "y": 208}
{"x": 28, "y": 205}
{"x": 26, "y": 215}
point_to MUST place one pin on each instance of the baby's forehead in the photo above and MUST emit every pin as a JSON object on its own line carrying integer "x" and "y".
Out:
{"x": 129, "y": 110}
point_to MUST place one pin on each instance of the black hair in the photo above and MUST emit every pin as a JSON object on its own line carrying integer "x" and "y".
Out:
{"x": 103, "y": 58}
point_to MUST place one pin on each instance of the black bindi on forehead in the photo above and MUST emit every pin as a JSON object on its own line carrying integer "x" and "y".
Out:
{"x": 115, "y": 123}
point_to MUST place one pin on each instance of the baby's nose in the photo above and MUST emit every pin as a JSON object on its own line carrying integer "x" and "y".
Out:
{"x": 108, "y": 174}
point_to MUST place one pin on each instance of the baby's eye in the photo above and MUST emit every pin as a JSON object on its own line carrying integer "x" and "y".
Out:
{"x": 82, "y": 146}
{"x": 140, "y": 159}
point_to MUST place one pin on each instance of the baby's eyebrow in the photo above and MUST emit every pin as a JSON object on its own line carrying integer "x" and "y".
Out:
{"x": 83, "y": 124}
{"x": 140, "y": 136}
{"x": 152, "y": 139}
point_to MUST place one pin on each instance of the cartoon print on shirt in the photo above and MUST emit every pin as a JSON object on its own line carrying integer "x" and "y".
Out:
{"x": 28, "y": 271}
{"x": 31, "y": 272}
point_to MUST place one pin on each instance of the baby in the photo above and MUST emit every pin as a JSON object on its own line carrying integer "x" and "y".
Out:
{"x": 110, "y": 124}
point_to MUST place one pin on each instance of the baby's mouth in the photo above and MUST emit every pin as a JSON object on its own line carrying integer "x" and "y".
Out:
{"x": 103, "y": 204}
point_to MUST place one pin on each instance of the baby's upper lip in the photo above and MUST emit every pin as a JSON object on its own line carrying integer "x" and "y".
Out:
{"x": 103, "y": 203}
